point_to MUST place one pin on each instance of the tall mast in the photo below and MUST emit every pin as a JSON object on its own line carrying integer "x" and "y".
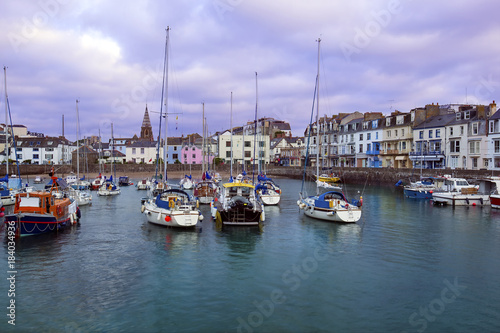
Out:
{"x": 166, "y": 105}
{"x": 203, "y": 142}
{"x": 6, "y": 126}
{"x": 100, "y": 150}
{"x": 243, "y": 150}
{"x": 231, "y": 136}
{"x": 112, "y": 151}
{"x": 317, "y": 118}
{"x": 77, "y": 143}
{"x": 255, "y": 128}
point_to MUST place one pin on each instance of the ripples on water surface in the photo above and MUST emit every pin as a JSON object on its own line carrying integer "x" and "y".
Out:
{"x": 406, "y": 266}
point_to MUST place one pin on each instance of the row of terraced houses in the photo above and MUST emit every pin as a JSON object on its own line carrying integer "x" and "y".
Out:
{"x": 432, "y": 137}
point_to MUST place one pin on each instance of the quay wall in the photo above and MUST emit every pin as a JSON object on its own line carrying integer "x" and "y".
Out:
{"x": 368, "y": 176}
{"x": 380, "y": 176}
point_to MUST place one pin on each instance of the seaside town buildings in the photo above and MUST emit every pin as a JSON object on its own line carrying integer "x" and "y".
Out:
{"x": 456, "y": 136}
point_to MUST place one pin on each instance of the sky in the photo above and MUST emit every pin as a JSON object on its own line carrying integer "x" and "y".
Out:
{"x": 374, "y": 56}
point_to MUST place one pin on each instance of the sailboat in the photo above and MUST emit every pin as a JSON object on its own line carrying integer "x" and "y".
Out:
{"x": 169, "y": 207}
{"x": 109, "y": 187}
{"x": 237, "y": 203}
{"x": 332, "y": 205}
{"x": 267, "y": 190}
{"x": 78, "y": 189}
{"x": 8, "y": 187}
{"x": 205, "y": 190}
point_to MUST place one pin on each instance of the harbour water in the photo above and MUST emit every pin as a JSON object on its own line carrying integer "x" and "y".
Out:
{"x": 406, "y": 266}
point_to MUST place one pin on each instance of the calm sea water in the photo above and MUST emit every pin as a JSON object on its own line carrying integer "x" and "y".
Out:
{"x": 407, "y": 266}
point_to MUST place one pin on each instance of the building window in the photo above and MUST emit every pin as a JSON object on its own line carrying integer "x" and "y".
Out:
{"x": 438, "y": 133}
{"x": 248, "y": 144}
{"x": 248, "y": 154}
{"x": 461, "y": 130}
{"x": 368, "y": 136}
{"x": 396, "y": 133}
{"x": 430, "y": 134}
{"x": 193, "y": 149}
{"x": 454, "y": 146}
{"x": 174, "y": 156}
{"x": 228, "y": 143}
{"x": 402, "y": 132}
{"x": 19, "y": 156}
{"x": 474, "y": 128}
{"x": 194, "y": 155}
{"x": 228, "y": 154}
{"x": 496, "y": 143}
{"x": 474, "y": 147}
{"x": 360, "y": 148}
{"x": 474, "y": 162}
{"x": 361, "y": 137}
{"x": 421, "y": 134}
{"x": 35, "y": 156}
{"x": 142, "y": 151}
{"x": 451, "y": 131}
{"x": 133, "y": 151}
{"x": 388, "y": 134}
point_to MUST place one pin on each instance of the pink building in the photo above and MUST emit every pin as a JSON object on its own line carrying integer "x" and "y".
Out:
{"x": 192, "y": 154}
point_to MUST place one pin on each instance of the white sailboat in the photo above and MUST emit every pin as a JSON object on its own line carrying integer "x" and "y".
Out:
{"x": 78, "y": 190}
{"x": 267, "y": 190}
{"x": 332, "y": 205}
{"x": 169, "y": 207}
{"x": 109, "y": 187}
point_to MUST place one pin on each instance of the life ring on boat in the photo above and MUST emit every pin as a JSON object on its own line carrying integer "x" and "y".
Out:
{"x": 59, "y": 210}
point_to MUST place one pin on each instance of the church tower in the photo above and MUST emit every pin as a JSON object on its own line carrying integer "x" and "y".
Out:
{"x": 146, "y": 128}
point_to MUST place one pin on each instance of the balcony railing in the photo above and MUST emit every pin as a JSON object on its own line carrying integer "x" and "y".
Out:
{"x": 373, "y": 152}
{"x": 427, "y": 153}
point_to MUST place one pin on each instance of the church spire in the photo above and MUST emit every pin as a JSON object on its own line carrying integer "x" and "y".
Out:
{"x": 146, "y": 128}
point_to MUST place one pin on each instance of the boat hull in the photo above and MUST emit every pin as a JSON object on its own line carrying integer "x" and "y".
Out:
{"x": 334, "y": 209}
{"x": 183, "y": 218}
{"x": 238, "y": 216}
{"x": 35, "y": 224}
{"x": 459, "y": 199}
{"x": 339, "y": 215}
{"x": 270, "y": 199}
{"x": 415, "y": 193}
{"x": 495, "y": 201}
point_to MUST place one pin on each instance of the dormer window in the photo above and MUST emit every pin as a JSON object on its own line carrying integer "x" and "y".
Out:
{"x": 467, "y": 115}
{"x": 388, "y": 122}
{"x": 458, "y": 116}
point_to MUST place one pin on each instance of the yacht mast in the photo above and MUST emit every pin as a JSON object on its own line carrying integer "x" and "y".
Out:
{"x": 6, "y": 126}
{"x": 77, "y": 143}
{"x": 317, "y": 118}
{"x": 166, "y": 106}
{"x": 231, "y": 136}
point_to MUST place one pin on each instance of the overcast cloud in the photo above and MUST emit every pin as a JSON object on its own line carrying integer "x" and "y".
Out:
{"x": 375, "y": 56}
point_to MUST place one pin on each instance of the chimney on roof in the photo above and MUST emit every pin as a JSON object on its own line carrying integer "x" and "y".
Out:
{"x": 493, "y": 108}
